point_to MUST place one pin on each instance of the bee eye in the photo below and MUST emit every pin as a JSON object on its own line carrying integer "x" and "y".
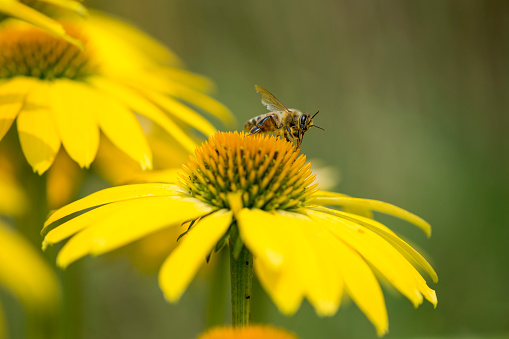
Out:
{"x": 303, "y": 119}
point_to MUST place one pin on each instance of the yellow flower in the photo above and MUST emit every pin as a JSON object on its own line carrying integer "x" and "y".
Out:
{"x": 259, "y": 187}
{"x": 18, "y": 9}
{"x": 249, "y": 332}
{"x": 60, "y": 95}
{"x": 12, "y": 198}
{"x": 23, "y": 271}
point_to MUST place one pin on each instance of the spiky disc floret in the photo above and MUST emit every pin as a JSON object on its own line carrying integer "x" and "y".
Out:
{"x": 29, "y": 51}
{"x": 264, "y": 169}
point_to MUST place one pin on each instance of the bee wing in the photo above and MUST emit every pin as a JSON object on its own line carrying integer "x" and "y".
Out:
{"x": 270, "y": 101}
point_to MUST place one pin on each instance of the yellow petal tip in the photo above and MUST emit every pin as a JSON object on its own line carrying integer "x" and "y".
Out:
{"x": 45, "y": 244}
{"x": 235, "y": 201}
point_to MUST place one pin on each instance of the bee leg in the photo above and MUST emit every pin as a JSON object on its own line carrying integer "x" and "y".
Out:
{"x": 288, "y": 135}
{"x": 260, "y": 124}
{"x": 254, "y": 130}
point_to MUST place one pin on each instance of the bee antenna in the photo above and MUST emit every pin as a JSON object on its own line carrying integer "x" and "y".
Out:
{"x": 323, "y": 129}
{"x": 315, "y": 114}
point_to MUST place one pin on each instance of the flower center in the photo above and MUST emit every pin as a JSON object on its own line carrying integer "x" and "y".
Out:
{"x": 264, "y": 169}
{"x": 28, "y": 51}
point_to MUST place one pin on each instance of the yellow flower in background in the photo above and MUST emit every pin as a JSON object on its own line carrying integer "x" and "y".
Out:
{"x": 23, "y": 271}
{"x": 60, "y": 95}
{"x": 249, "y": 332}
{"x": 30, "y": 14}
{"x": 13, "y": 201}
{"x": 259, "y": 188}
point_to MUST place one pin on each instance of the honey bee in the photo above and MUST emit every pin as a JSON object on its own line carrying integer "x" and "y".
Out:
{"x": 289, "y": 123}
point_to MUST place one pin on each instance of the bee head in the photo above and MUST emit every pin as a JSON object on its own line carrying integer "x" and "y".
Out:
{"x": 305, "y": 123}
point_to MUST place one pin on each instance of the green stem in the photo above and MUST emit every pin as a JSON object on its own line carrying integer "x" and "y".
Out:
{"x": 39, "y": 324}
{"x": 241, "y": 275}
{"x": 72, "y": 310}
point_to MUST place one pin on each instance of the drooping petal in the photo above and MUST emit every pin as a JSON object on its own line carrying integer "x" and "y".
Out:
{"x": 375, "y": 205}
{"x": 362, "y": 285}
{"x": 383, "y": 256}
{"x": 325, "y": 294}
{"x": 282, "y": 285}
{"x": 265, "y": 234}
{"x": 120, "y": 42}
{"x": 110, "y": 195}
{"x": 71, "y": 5}
{"x": 134, "y": 220}
{"x": 201, "y": 100}
{"x": 24, "y": 12}
{"x": 12, "y": 98}
{"x": 80, "y": 222}
{"x": 181, "y": 266}
{"x": 119, "y": 124}
{"x": 145, "y": 107}
{"x": 303, "y": 260}
{"x": 182, "y": 112}
{"x": 404, "y": 248}
{"x": 38, "y": 135}
{"x": 187, "y": 78}
{"x": 75, "y": 120}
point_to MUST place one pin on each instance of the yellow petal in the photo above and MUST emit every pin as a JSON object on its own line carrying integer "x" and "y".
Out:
{"x": 110, "y": 195}
{"x": 404, "y": 248}
{"x": 32, "y": 16}
{"x": 80, "y": 222}
{"x": 166, "y": 176}
{"x": 378, "y": 252}
{"x": 362, "y": 285}
{"x": 183, "y": 263}
{"x": 290, "y": 261}
{"x": 283, "y": 286}
{"x": 119, "y": 124}
{"x": 326, "y": 288}
{"x": 75, "y": 120}
{"x": 25, "y": 272}
{"x": 265, "y": 234}
{"x": 375, "y": 205}
{"x": 71, "y": 5}
{"x": 37, "y": 131}
{"x": 136, "y": 219}
{"x": 110, "y": 30}
{"x": 186, "y": 78}
{"x": 208, "y": 104}
{"x": 182, "y": 112}
{"x": 145, "y": 107}
{"x": 154, "y": 83}
{"x": 12, "y": 98}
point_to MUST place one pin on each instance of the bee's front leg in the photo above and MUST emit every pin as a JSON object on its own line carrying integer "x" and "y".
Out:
{"x": 288, "y": 135}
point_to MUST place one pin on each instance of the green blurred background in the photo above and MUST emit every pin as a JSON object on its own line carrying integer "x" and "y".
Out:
{"x": 414, "y": 99}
